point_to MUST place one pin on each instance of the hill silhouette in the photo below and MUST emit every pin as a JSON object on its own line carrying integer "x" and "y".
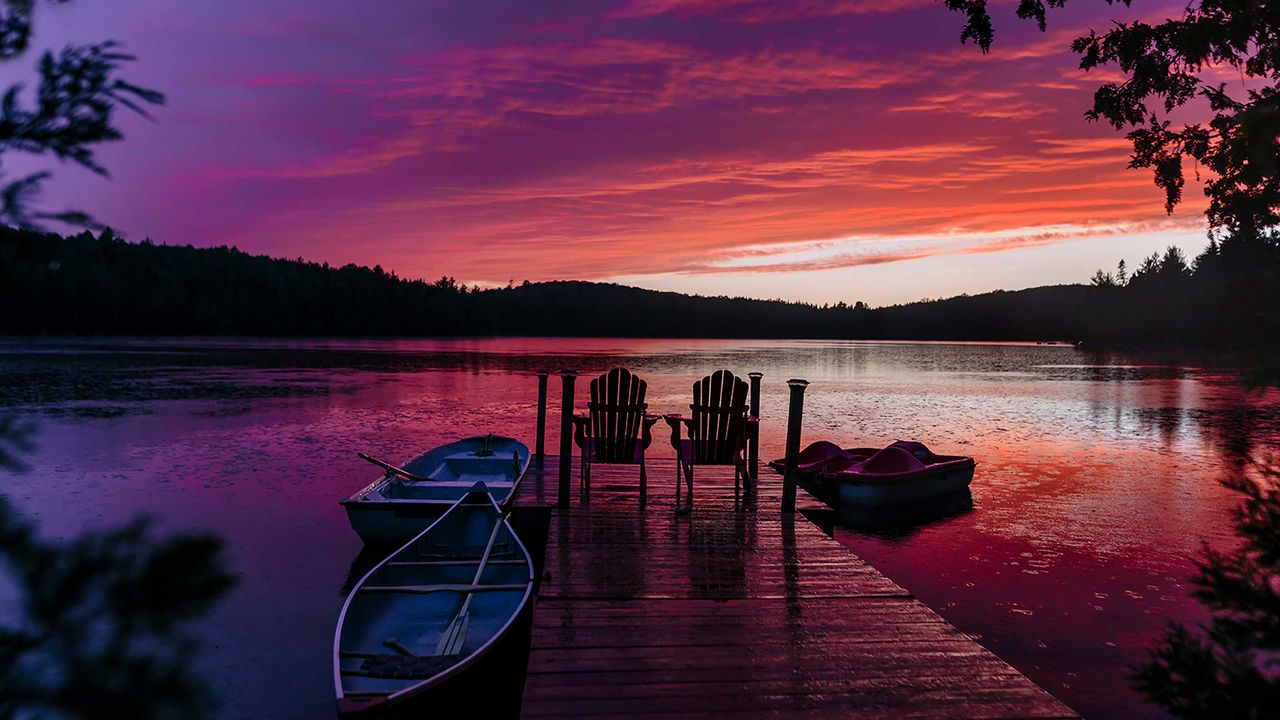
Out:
{"x": 103, "y": 285}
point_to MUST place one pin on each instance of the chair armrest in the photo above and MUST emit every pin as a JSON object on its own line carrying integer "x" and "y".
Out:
{"x": 646, "y": 429}
{"x": 673, "y": 420}
{"x": 581, "y": 428}
{"x": 752, "y": 431}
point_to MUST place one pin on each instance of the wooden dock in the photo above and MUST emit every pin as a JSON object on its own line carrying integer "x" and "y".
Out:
{"x": 735, "y": 610}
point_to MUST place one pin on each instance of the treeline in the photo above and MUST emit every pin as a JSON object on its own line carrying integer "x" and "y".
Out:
{"x": 102, "y": 285}
{"x": 1227, "y": 297}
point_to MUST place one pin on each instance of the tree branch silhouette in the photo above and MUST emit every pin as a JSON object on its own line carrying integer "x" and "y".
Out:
{"x": 99, "y": 626}
{"x": 72, "y": 113}
{"x": 1229, "y": 668}
{"x": 102, "y": 626}
{"x": 1168, "y": 66}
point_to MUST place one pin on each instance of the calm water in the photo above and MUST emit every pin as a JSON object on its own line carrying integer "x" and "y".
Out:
{"x": 1096, "y": 486}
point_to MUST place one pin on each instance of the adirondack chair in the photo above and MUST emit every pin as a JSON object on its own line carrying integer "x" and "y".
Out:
{"x": 718, "y": 428}
{"x": 616, "y": 427}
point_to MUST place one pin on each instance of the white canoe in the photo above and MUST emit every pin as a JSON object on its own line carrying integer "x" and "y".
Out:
{"x": 432, "y": 609}
{"x": 392, "y": 509}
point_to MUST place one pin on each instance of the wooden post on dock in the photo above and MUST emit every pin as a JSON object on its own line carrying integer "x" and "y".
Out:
{"x": 753, "y": 450}
{"x": 542, "y": 415}
{"x": 795, "y": 416}
{"x": 566, "y": 436}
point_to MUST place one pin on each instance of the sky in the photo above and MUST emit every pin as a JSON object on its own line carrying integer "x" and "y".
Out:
{"x": 816, "y": 150}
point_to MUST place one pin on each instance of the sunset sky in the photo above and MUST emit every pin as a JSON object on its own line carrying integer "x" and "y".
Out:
{"x": 812, "y": 150}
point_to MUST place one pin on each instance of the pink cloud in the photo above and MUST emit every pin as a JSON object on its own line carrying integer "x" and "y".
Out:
{"x": 762, "y": 11}
{"x": 647, "y": 137}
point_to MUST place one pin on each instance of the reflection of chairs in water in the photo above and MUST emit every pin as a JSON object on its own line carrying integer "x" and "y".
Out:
{"x": 628, "y": 566}
{"x": 719, "y": 545}
{"x": 616, "y": 428}
{"x": 719, "y": 428}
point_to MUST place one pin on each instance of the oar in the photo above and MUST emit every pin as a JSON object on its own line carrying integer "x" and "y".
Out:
{"x": 391, "y": 468}
{"x": 395, "y": 644}
{"x": 485, "y": 450}
{"x": 454, "y": 636}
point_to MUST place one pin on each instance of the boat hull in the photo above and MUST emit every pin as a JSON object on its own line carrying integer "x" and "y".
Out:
{"x": 902, "y": 490}
{"x": 392, "y": 510}
{"x": 392, "y": 523}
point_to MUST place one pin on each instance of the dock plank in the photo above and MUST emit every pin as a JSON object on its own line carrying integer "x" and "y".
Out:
{"x": 736, "y": 610}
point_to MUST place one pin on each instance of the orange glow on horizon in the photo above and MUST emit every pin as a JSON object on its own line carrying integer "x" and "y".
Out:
{"x": 681, "y": 144}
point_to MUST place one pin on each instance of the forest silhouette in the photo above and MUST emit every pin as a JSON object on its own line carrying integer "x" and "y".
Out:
{"x": 103, "y": 285}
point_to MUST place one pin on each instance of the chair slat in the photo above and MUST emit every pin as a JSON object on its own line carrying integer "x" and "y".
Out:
{"x": 597, "y": 398}
{"x": 718, "y": 425}
{"x": 616, "y": 411}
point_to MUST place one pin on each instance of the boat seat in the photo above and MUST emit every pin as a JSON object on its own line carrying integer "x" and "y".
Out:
{"x": 892, "y": 460}
{"x": 465, "y": 484}
{"x": 403, "y": 667}
{"x": 441, "y": 551}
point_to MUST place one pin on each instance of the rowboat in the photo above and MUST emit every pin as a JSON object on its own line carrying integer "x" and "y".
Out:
{"x": 903, "y": 472}
{"x": 433, "y": 608}
{"x": 407, "y": 498}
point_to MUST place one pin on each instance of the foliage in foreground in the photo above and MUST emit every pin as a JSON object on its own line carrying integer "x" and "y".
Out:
{"x": 75, "y": 98}
{"x": 95, "y": 627}
{"x": 99, "y": 626}
{"x": 1231, "y": 667}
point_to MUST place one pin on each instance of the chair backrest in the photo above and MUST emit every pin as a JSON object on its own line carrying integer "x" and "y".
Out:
{"x": 719, "y": 430}
{"x": 616, "y": 408}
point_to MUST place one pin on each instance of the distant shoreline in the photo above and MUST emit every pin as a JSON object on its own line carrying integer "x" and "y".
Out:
{"x": 86, "y": 286}
{"x": 395, "y": 338}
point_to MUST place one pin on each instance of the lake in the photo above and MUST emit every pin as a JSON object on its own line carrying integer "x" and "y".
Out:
{"x": 1097, "y": 483}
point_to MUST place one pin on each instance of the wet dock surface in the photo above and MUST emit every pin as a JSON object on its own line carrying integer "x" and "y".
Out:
{"x": 736, "y": 609}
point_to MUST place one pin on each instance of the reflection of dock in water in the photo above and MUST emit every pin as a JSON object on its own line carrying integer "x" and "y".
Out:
{"x": 736, "y": 608}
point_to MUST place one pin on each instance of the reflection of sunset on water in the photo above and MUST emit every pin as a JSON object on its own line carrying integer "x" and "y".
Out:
{"x": 1097, "y": 475}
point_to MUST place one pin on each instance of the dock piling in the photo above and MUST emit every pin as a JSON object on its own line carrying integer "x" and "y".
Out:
{"x": 753, "y": 448}
{"x": 541, "y": 450}
{"x": 567, "y": 378}
{"x": 795, "y": 416}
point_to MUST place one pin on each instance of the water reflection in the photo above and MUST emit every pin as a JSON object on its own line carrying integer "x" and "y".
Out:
{"x": 899, "y": 522}
{"x": 361, "y": 564}
{"x": 718, "y": 544}
{"x": 1097, "y": 478}
{"x": 98, "y": 626}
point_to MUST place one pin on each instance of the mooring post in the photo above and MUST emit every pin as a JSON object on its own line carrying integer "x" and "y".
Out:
{"x": 542, "y": 415}
{"x": 566, "y": 436}
{"x": 795, "y": 417}
{"x": 753, "y": 448}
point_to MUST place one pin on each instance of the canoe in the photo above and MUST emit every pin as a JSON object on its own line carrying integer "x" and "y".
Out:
{"x": 902, "y": 472}
{"x": 392, "y": 509}
{"x": 430, "y": 610}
